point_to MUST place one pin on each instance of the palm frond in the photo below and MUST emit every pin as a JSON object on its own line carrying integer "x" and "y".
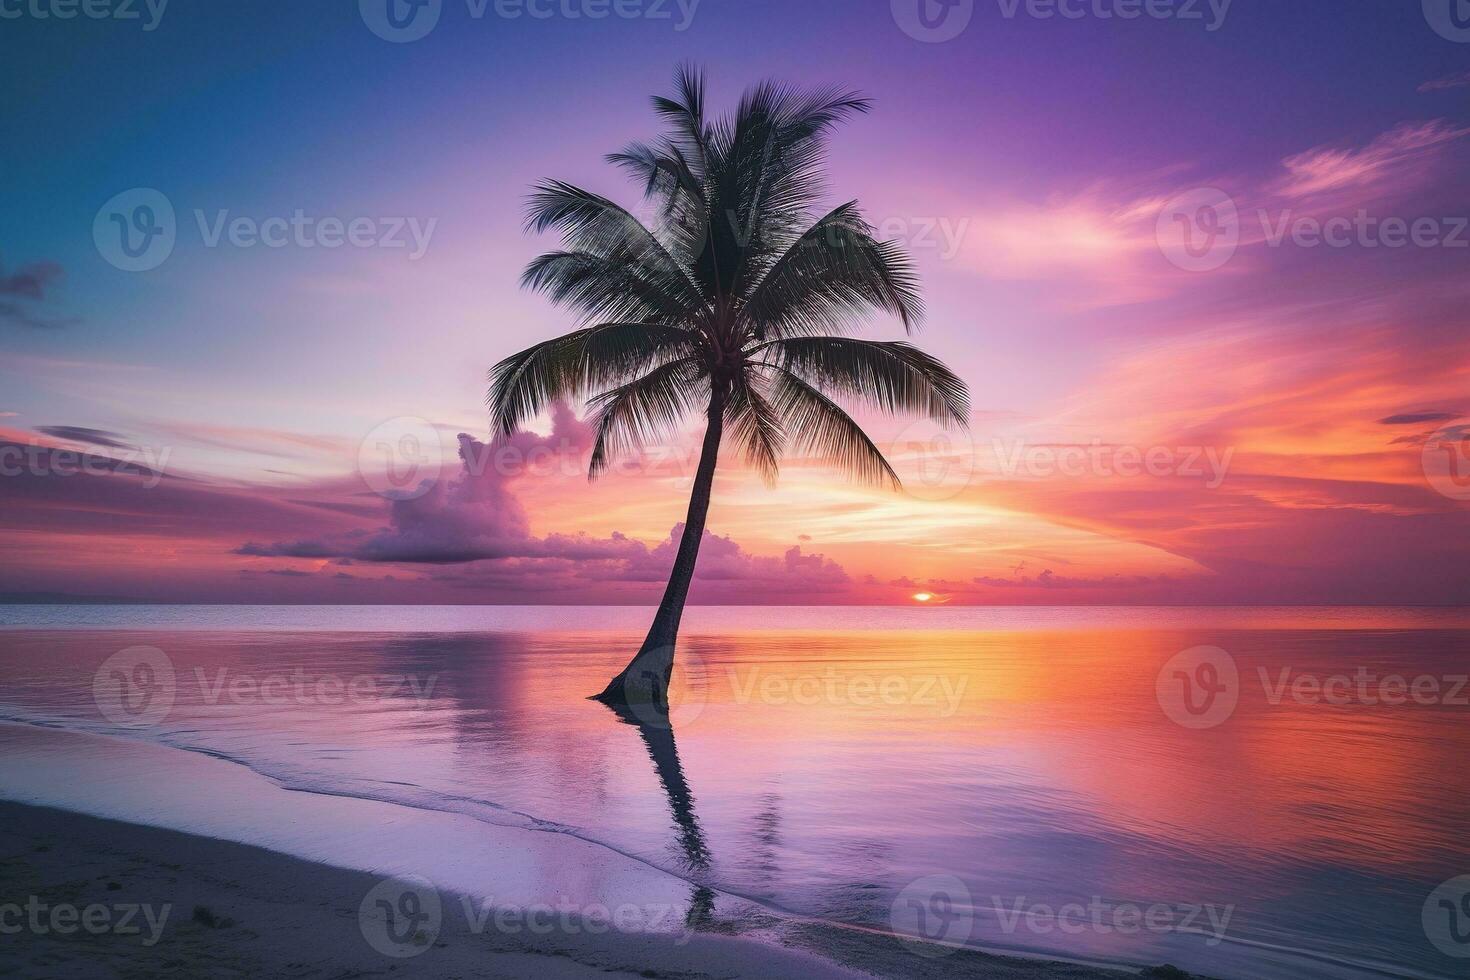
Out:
{"x": 615, "y": 353}
{"x": 892, "y": 376}
{"x": 630, "y": 415}
{"x": 835, "y": 272}
{"x": 590, "y": 223}
{"x": 603, "y": 288}
{"x": 525, "y": 383}
{"x": 756, "y": 426}
{"x": 686, "y": 113}
{"x": 820, "y": 427}
{"x": 663, "y": 173}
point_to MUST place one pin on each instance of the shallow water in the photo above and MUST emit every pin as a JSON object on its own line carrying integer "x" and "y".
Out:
{"x": 964, "y": 773}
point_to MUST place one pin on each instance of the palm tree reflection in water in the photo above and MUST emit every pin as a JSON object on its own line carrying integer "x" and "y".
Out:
{"x": 658, "y": 737}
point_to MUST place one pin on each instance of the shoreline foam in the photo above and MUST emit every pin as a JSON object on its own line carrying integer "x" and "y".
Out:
{"x": 138, "y": 804}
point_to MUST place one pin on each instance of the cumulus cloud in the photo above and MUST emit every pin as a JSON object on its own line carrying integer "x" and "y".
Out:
{"x": 469, "y": 518}
{"x": 635, "y": 572}
{"x": 473, "y": 516}
{"x": 722, "y": 560}
{"x": 475, "y": 520}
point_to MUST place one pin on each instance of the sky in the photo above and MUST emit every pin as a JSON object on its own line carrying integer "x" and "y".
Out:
{"x": 1202, "y": 265}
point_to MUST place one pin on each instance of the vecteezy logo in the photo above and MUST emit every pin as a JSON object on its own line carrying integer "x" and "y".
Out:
{"x": 400, "y": 459}
{"x": 401, "y": 917}
{"x": 1200, "y": 687}
{"x": 934, "y": 463}
{"x": 1199, "y": 231}
{"x": 1449, "y": 18}
{"x": 933, "y": 21}
{"x": 136, "y": 230}
{"x": 135, "y": 687}
{"x": 401, "y": 21}
{"x": 1447, "y": 917}
{"x": 1446, "y": 462}
{"x": 936, "y": 912}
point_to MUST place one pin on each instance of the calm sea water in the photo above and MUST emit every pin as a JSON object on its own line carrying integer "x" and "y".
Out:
{"x": 1135, "y": 785}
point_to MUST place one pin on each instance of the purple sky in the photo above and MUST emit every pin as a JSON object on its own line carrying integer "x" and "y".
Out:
{"x": 1029, "y": 163}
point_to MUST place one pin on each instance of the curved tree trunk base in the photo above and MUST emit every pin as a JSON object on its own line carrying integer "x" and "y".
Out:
{"x": 643, "y": 686}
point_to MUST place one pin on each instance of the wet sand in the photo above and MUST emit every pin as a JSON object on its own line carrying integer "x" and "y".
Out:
{"x": 215, "y": 908}
{"x": 158, "y": 887}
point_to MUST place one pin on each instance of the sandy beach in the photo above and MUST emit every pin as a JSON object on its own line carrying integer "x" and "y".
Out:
{"x": 226, "y": 909}
{"x": 159, "y": 886}
{"x": 206, "y": 906}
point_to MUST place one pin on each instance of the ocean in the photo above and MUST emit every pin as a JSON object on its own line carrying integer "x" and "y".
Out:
{"x": 1242, "y": 792}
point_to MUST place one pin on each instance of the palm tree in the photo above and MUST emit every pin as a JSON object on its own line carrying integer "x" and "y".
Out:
{"x": 735, "y": 303}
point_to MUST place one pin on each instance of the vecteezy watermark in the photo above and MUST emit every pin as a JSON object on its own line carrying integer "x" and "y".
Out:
{"x": 42, "y": 918}
{"x": 934, "y": 462}
{"x": 404, "y": 458}
{"x": 940, "y": 235}
{"x": 148, "y": 12}
{"x": 301, "y": 230}
{"x": 1449, "y": 18}
{"x": 830, "y": 687}
{"x": 401, "y": 459}
{"x": 135, "y": 687}
{"x": 403, "y": 917}
{"x": 403, "y": 21}
{"x": 1363, "y": 230}
{"x": 1209, "y": 464}
{"x": 1446, "y": 460}
{"x": 1103, "y": 917}
{"x": 1210, "y": 13}
{"x": 571, "y": 919}
{"x": 1203, "y": 686}
{"x": 548, "y": 458}
{"x": 932, "y": 21}
{"x": 1199, "y": 687}
{"x": 138, "y": 230}
{"x": 139, "y": 687}
{"x": 1199, "y": 230}
{"x": 34, "y": 460}
{"x": 1446, "y": 917}
{"x": 934, "y": 915}
{"x": 1364, "y": 687}
{"x": 935, "y": 21}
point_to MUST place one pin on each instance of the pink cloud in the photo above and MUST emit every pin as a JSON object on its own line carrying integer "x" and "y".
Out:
{"x": 476, "y": 520}
{"x": 726, "y": 573}
{"x": 1390, "y": 155}
{"x": 1454, "y": 81}
{"x": 470, "y": 517}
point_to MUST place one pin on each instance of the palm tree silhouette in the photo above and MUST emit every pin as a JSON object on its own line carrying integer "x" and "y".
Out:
{"x": 735, "y": 303}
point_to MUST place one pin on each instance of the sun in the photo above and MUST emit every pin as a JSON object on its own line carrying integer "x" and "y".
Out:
{"x": 923, "y": 596}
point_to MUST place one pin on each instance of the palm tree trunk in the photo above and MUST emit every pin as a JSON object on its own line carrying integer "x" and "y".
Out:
{"x": 645, "y": 681}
